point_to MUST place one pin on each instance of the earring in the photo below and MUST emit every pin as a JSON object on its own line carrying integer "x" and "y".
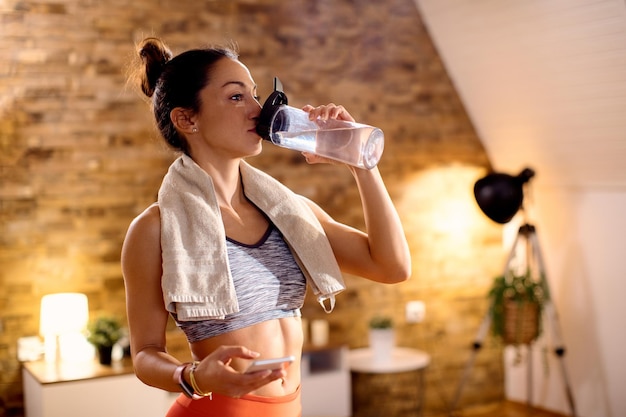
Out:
{"x": 194, "y": 130}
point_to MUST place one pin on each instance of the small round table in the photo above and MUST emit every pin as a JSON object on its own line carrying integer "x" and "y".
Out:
{"x": 402, "y": 359}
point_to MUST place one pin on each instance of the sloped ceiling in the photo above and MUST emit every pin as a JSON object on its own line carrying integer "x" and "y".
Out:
{"x": 544, "y": 82}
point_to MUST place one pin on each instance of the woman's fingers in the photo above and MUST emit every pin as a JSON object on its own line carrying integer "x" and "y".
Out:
{"x": 311, "y": 158}
{"x": 226, "y": 353}
{"x": 328, "y": 111}
{"x": 215, "y": 373}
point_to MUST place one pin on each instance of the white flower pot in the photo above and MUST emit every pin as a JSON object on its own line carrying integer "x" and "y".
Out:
{"x": 382, "y": 342}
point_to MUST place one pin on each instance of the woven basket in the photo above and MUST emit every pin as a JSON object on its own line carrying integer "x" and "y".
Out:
{"x": 521, "y": 322}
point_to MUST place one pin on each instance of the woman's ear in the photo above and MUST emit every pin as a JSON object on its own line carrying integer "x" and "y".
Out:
{"x": 182, "y": 120}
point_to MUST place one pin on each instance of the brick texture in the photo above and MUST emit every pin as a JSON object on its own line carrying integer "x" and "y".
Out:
{"x": 79, "y": 158}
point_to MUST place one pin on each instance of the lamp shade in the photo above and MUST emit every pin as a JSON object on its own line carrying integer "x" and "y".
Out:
{"x": 500, "y": 196}
{"x": 63, "y": 313}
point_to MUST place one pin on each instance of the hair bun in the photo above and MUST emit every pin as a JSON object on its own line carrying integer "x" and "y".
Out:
{"x": 154, "y": 54}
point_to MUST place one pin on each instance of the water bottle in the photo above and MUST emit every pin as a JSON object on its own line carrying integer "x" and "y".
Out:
{"x": 352, "y": 143}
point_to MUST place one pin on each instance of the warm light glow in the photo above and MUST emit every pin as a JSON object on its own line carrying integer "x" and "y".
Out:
{"x": 448, "y": 235}
{"x": 63, "y": 313}
{"x": 442, "y": 198}
{"x": 63, "y": 318}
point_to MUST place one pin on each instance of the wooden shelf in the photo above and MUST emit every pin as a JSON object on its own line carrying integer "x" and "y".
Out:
{"x": 53, "y": 373}
{"x": 89, "y": 389}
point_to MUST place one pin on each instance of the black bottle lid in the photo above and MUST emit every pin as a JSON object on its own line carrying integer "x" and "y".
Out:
{"x": 270, "y": 107}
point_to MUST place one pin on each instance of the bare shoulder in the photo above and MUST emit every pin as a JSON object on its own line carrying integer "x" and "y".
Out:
{"x": 144, "y": 234}
{"x": 147, "y": 222}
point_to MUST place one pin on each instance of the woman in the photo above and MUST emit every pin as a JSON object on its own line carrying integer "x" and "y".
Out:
{"x": 227, "y": 251}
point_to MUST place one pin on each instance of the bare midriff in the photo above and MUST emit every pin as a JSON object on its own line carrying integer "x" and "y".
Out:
{"x": 272, "y": 339}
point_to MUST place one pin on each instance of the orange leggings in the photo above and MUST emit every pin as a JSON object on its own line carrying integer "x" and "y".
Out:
{"x": 246, "y": 406}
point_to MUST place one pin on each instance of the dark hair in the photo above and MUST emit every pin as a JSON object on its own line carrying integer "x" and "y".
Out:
{"x": 176, "y": 82}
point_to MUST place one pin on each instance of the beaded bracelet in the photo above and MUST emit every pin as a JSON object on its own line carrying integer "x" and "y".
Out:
{"x": 194, "y": 384}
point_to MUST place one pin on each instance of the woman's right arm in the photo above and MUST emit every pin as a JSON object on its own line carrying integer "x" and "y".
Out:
{"x": 147, "y": 320}
{"x": 147, "y": 317}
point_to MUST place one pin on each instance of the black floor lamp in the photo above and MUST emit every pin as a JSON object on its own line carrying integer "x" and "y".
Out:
{"x": 500, "y": 196}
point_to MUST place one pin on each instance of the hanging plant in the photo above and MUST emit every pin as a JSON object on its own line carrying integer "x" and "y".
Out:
{"x": 516, "y": 306}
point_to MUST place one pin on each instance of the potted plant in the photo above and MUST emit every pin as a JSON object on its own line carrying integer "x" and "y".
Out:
{"x": 381, "y": 338}
{"x": 104, "y": 333}
{"x": 516, "y": 306}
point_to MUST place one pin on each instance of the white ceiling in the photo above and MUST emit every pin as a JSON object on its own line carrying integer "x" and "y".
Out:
{"x": 544, "y": 82}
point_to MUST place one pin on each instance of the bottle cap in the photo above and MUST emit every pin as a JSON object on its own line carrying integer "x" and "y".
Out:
{"x": 270, "y": 107}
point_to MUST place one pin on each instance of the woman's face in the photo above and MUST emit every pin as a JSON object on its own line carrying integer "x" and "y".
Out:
{"x": 229, "y": 112}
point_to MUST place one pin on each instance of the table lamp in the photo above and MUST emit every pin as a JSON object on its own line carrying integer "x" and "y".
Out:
{"x": 63, "y": 318}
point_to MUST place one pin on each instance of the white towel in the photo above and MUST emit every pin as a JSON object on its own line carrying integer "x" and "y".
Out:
{"x": 196, "y": 281}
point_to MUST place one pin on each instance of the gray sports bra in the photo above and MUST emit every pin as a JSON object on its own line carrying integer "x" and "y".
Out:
{"x": 268, "y": 282}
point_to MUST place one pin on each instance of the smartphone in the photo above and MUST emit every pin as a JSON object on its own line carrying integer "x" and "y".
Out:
{"x": 271, "y": 364}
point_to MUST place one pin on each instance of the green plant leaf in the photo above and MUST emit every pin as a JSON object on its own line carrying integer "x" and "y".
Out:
{"x": 104, "y": 331}
{"x": 381, "y": 322}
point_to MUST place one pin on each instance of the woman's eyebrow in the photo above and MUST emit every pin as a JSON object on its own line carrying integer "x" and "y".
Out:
{"x": 239, "y": 83}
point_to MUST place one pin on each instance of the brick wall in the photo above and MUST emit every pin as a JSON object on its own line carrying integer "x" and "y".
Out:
{"x": 79, "y": 159}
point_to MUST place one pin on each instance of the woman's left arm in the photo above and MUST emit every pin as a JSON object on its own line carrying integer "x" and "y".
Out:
{"x": 382, "y": 253}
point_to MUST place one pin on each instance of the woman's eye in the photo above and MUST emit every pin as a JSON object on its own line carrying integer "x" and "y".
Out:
{"x": 240, "y": 97}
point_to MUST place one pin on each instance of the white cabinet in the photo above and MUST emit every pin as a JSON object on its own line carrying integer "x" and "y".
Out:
{"x": 89, "y": 389}
{"x": 326, "y": 385}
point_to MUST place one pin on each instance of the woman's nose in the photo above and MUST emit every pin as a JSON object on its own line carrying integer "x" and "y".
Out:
{"x": 256, "y": 109}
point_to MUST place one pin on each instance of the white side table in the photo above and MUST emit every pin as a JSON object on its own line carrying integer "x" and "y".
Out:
{"x": 402, "y": 360}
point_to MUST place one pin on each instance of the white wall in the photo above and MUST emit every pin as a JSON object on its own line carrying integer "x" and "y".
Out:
{"x": 544, "y": 82}
{"x": 583, "y": 239}
{"x": 603, "y": 243}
